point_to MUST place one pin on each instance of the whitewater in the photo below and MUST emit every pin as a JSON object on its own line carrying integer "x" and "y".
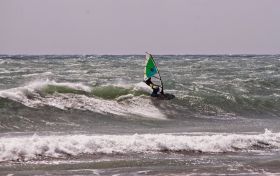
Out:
{"x": 93, "y": 115}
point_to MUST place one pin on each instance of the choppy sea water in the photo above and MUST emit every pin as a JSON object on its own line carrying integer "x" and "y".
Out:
{"x": 92, "y": 115}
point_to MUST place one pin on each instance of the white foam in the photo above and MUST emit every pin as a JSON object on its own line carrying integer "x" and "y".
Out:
{"x": 138, "y": 106}
{"x": 124, "y": 97}
{"x": 142, "y": 87}
{"x": 38, "y": 74}
{"x": 124, "y": 105}
{"x": 20, "y": 93}
{"x": 32, "y": 147}
{"x": 38, "y": 84}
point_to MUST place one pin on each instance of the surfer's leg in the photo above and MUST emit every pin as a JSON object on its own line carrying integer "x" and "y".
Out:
{"x": 155, "y": 92}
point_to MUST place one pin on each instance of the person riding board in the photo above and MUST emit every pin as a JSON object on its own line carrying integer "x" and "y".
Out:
{"x": 153, "y": 86}
{"x": 151, "y": 70}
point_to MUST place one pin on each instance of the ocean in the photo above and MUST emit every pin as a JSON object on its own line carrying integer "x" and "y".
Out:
{"x": 93, "y": 115}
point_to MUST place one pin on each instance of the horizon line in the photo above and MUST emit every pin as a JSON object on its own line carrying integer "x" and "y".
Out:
{"x": 109, "y": 54}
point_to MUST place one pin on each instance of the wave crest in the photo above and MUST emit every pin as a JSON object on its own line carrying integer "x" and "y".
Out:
{"x": 115, "y": 99}
{"x": 35, "y": 147}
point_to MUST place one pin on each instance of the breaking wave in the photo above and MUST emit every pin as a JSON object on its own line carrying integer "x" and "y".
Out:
{"x": 123, "y": 101}
{"x": 131, "y": 99}
{"x": 47, "y": 87}
{"x": 37, "y": 147}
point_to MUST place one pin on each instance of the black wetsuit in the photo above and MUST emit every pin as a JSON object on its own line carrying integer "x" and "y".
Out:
{"x": 153, "y": 86}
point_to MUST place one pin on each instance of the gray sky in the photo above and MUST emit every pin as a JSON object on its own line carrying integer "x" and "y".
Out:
{"x": 136, "y": 26}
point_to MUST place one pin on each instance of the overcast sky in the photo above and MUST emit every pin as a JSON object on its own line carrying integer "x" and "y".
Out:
{"x": 136, "y": 26}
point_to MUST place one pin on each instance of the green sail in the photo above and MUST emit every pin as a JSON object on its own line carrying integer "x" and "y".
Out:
{"x": 150, "y": 69}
